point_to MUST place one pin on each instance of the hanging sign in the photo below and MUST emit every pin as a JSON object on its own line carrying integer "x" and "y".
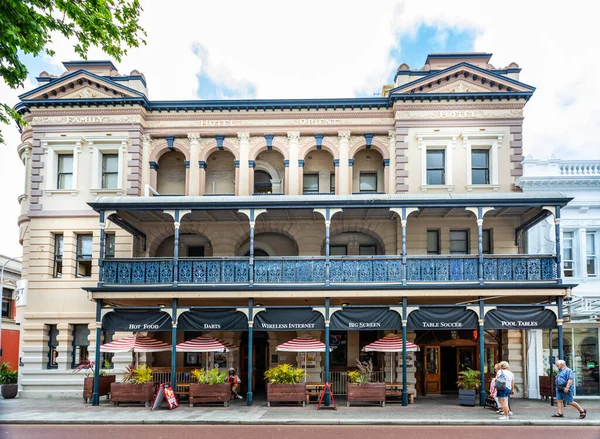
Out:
{"x": 442, "y": 318}
{"x": 206, "y": 320}
{"x": 165, "y": 391}
{"x": 137, "y": 320}
{"x": 290, "y": 319}
{"x": 531, "y": 317}
{"x": 21, "y": 293}
{"x": 365, "y": 319}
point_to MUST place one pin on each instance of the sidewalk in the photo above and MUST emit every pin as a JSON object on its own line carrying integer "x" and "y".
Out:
{"x": 433, "y": 410}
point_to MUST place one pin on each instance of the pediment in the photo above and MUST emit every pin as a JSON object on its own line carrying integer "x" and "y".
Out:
{"x": 463, "y": 78}
{"x": 80, "y": 85}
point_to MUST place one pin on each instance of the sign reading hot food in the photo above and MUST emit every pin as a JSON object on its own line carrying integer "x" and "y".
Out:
{"x": 365, "y": 319}
{"x": 442, "y": 319}
{"x": 218, "y": 320}
{"x": 290, "y": 319}
{"x": 136, "y": 320}
{"x": 530, "y": 317}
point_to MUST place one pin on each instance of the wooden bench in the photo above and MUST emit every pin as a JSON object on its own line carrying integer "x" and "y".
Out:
{"x": 411, "y": 395}
{"x": 310, "y": 393}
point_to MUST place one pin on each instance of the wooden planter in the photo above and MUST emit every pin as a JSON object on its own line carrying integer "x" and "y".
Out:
{"x": 467, "y": 397}
{"x": 544, "y": 385}
{"x": 124, "y": 392}
{"x": 9, "y": 391}
{"x": 218, "y": 393}
{"x": 104, "y": 386}
{"x": 286, "y": 393}
{"x": 372, "y": 392}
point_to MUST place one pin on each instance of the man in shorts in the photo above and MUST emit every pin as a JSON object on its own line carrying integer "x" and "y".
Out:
{"x": 564, "y": 390}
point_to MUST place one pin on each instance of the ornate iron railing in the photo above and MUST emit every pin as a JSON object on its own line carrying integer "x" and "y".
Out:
{"x": 342, "y": 270}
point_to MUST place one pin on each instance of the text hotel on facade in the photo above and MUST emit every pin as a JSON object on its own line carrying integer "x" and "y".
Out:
{"x": 260, "y": 220}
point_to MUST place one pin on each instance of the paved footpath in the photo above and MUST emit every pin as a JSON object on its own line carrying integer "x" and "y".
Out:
{"x": 443, "y": 410}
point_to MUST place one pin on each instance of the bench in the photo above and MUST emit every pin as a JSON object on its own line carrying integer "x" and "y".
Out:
{"x": 411, "y": 395}
{"x": 310, "y": 393}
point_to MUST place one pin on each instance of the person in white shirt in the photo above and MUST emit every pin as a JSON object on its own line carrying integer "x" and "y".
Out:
{"x": 503, "y": 394}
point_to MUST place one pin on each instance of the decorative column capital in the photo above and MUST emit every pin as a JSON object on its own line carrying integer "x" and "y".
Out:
{"x": 392, "y": 134}
{"x": 194, "y": 137}
{"x": 293, "y": 136}
{"x": 147, "y": 139}
{"x": 244, "y": 137}
{"x": 344, "y": 136}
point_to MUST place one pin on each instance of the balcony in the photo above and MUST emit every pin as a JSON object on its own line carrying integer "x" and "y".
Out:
{"x": 312, "y": 270}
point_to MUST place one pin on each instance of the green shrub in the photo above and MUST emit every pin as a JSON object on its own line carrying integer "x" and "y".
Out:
{"x": 8, "y": 375}
{"x": 469, "y": 379}
{"x": 140, "y": 375}
{"x": 285, "y": 374}
{"x": 212, "y": 377}
{"x": 363, "y": 375}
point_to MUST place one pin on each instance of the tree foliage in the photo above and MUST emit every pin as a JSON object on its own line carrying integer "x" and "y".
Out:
{"x": 28, "y": 26}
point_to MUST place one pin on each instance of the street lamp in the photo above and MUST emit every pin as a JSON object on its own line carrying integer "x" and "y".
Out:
{"x": 2, "y": 288}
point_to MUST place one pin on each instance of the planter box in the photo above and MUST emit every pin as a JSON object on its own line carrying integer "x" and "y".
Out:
{"x": 124, "y": 392}
{"x": 104, "y": 386}
{"x": 544, "y": 385}
{"x": 467, "y": 397}
{"x": 371, "y": 392}
{"x": 9, "y": 391}
{"x": 218, "y": 393}
{"x": 286, "y": 393}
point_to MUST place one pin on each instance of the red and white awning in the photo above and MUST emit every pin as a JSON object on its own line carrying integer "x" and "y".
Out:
{"x": 135, "y": 343}
{"x": 202, "y": 344}
{"x": 302, "y": 344}
{"x": 390, "y": 343}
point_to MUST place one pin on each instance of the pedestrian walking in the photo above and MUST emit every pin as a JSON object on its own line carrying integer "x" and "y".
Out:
{"x": 504, "y": 386}
{"x": 564, "y": 390}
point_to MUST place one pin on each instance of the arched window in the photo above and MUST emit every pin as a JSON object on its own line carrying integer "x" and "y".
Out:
{"x": 262, "y": 182}
{"x": 171, "y": 174}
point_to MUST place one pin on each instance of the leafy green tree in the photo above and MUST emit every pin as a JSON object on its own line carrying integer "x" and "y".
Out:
{"x": 29, "y": 25}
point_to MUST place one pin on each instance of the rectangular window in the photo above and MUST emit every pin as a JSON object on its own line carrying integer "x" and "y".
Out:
{"x": 109, "y": 245}
{"x": 80, "y": 345}
{"x": 196, "y": 252}
{"x": 7, "y": 303}
{"x": 58, "y": 255}
{"x": 480, "y": 166}
{"x": 310, "y": 184}
{"x": 486, "y": 235}
{"x": 64, "y": 177}
{"x": 52, "y": 347}
{"x": 568, "y": 260}
{"x": 433, "y": 242}
{"x": 192, "y": 359}
{"x": 436, "y": 164}
{"x": 459, "y": 242}
{"x": 84, "y": 256}
{"x": 368, "y": 182}
{"x": 332, "y": 183}
{"x": 367, "y": 250}
{"x": 591, "y": 256}
{"x": 338, "y": 340}
{"x": 338, "y": 250}
{"x": 110, "y": 171}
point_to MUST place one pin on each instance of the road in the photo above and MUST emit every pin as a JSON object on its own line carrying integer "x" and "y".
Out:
{"x": 113, "y": 431}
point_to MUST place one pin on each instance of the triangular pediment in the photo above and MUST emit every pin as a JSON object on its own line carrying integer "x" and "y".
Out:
{"x": 462, "y": 78}
{"x": 80, "y": 85}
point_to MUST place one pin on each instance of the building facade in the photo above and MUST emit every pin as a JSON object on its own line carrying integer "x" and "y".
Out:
{"x": 259, "y": 220}
{"x": 580, "y": 225}
{"x": 10, "y": 327}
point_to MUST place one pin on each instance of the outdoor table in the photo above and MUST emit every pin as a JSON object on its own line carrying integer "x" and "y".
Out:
{"x": 395, "y": 389}
{"x": 313, "y": 389}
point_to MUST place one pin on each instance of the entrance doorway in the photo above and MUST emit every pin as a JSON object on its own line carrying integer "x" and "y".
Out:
{"x": 260, "y": 351}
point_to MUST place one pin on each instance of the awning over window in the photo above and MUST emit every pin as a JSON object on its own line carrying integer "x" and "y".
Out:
{"x": 212, "y": 320}
{"x": 288, "y": 319}
{"x": 442, "y": 318}
{"x": 365, "y": 319}
{"x": 513, "y": 317}
{"x": 137, "y": 320}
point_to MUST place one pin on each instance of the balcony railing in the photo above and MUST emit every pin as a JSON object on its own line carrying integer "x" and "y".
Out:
{"x": 343, "y": 270}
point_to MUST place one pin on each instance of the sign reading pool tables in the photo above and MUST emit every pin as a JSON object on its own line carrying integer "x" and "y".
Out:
{"x": 529, "y": 317}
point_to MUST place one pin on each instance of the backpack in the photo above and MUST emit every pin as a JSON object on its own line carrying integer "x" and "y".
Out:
{"x": 500, "y": 382}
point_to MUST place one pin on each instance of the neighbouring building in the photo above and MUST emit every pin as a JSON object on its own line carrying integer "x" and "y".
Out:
{"x": 10, "y": 335}
{"x": 580, "y": 243}
{"x": 256, "y": 221}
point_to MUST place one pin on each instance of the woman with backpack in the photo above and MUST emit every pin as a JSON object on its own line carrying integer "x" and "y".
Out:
{"x": 504, "y": 387}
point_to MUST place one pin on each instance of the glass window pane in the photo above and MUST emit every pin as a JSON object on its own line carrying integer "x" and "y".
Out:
{"x": 479, "y": 176}
{"x": 590, "y": 242}
{"x": 58, "y": 245}
{"x": 332, "y": 183}
{"x": 433, "y": 242}
{"x": 65, "y": 181}
{"x": 435, "y": 177}
{"x": 84, "y": 245}
{"x": 458, "y": 242}
{"x": 591, "y": 266}
{"x": 367, "y": 250}
{"x": 109, "y": 246}
{"x": 110, "y": 163}
{"x": 479, "y": 159}
{"x": 486, "y": 237}
{"x": 311, "y": 183}
{"x": 110, "y": 181}
{"x": 435, "y": 159}
{"x": 65, "y": 163}
{"x": 368, "y": 182}
{"x": 337, "y": 250}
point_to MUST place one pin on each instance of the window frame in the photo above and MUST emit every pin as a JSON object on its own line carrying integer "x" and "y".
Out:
{"x": 365, "y": 174}
{"x": 52, "y": 348}
{"x": 7, "y": 295}
{"x": 58, "y": 256}
{"x": 491, "y": 142}
{"x": 106, "y": 173}
{"x": 110, "y": 237}
{"x": 573, "y": 262}
{"x": 365, "y": 246}
{"x": 332, "y": 182}
{"x": 269, "y": 185}
{"x": 80, "y": 257}
{"x": 490, "y": 241}
{"x": 485, "y": 169}
{"x": 53, "y": 147}
{"x": 467, "y": 241}
{"x": 345, "y": 247}
{"x": 83, "y": 348}
{"x": 312, "y": 175}
{"x": 593, "y": 255}
{"x": 60, "y": 175}
{"x": 110, "y": 145}
{"x": 443, "y": 168}
{"x": 438, "y": 251}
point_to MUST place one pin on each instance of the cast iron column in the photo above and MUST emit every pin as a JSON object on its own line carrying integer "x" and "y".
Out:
{"x": 251, "y": 261}
{"x": 327, "y": 396}
{"x": 557, "y": 238}
{"x": 173, "y": 345}
{"x": 249, "y": 395}
{"x": 403, "y": 223}
{"x": 482, "y": 392}
{"x": 95, "y": 394}
{"x": 327, "y": 253}
{"x": 559, "y": 323}
{"x": 480, "y": 243}
{"x": 551, "y": 358}
{"x": 176, "y": 250}
{"x": 101, "y": 254}
{"x": 404, "y": 320}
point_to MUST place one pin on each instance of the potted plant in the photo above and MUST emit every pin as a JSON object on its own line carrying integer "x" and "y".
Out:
{"x": 137, "y": 386}
{"x": 9, "y": 379}
{"x": 469, "y": 382}
{"x": 209, "y": 387}
{"x": 361, "y": 387}
{"x": 284, "y": 384}
{"x": 104, "y": 380}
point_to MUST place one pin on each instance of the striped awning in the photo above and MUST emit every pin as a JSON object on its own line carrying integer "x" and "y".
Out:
{"x": 202, "y": 344}
{"x": 390, "y": 343}
{"x": 302, "y": 344}
{"x": 135, "y": 343}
